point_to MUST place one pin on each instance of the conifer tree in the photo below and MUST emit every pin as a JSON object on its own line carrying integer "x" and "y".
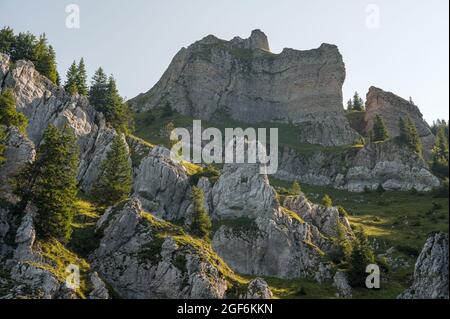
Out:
{"x": 71, "y": 80}
{"x": 327, "y": 201}
{"x": 7, "y": 40}
{"x": 98, "y": 91}
{"x": 380, "y": 132}
{"x": 9, "y": 116}
{"x": 201, "y": 223}
{"x": 81, "y": 78}
{"x": 440, "y": 161}
{"x": 115, "y": 179}
{"x": 358, "y": 103}
{"x": 50, "y": 184}
{"x": 361, "y": 256}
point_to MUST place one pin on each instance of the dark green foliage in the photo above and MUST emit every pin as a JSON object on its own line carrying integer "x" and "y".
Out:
{"x": 380, "y": 189}
{"x": 209, "y": 172}
{"x": 25, "y": 46}
{"x": 440, "y": 160}
{"x": 8, "y": 113}
{"x": 201, "y": 223}
{"x": 327, "y": 201}
{"x": 81, "y": 78}
{"x": 408, "y": 135}
{"x": 442, "y": 190}
{"x": 71, "y": 79}
{"x": 50, "y": 184}
{"x": 114, "y": 182}
{"x": 357, "y": 103}
{"x": 361, "y": 256}
{"x": 104, "y": 96}
{"x": 380, "y": 132}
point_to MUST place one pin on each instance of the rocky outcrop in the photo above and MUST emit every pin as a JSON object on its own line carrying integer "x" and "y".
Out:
{"x": 141, "y": 256}
{"x": 430, "y": 280}
{"x": 326, "y": 219}
{"x": 43, "y": 103}
{"x": 391, "y": 108}
{"x": 162, "y": 185}
{"x": 340, "y": 281}
{"x": 256, "y": 236}
{"x": 242, "y": 79}
{"x": 19, "y": 151}
{"x": 356, "y": 168}
{"x": 258, "y": 289}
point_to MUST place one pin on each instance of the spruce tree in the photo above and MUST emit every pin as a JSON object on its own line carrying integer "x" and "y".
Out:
{"x": 201, "y": 223}
{"x": 440, "y": 161}
{"x": 414, "y": 141}
{"x": 361, "y": 256}
{"x": 7, "y": 40}
{"x": 71, "y": 79}
{"x": 23, "y": 48}
{"x": 50, "y": 184}
{"x": 8, "y": 113}
{"x": 358, "y": 103}
{"x": 380, "y": 132}
{"x": 81, "y": 78}
{"x": 114, "y": 182}
{"x": 98, "y": 91}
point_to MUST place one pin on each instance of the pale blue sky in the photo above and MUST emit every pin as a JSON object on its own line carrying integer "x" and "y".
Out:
{"x": 407, "y": 54}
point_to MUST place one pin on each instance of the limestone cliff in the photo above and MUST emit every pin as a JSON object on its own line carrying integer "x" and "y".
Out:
{"x": 242, "y": 79}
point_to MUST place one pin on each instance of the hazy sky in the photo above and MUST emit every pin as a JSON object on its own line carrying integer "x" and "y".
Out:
{"x": 405, "y": 51}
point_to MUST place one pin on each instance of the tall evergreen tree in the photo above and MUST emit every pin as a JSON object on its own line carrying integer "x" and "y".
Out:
{"x": 380, "y": 132}
{"x": 115, "y": 179}
{"x": 71, "y": 79}
{"x": 201, "y": 223}
{"x": 98, "y": 91}
{"x": 440, "y": 162}
{"x": 413, "y": 140}
{"x": 358, "y": 103}
{"x": 361, "y": 256}
{"x": 7, "y": 40}
{"x": 45, "y": 59}
{"x": 23, "y": 48}
{"x": 8, "y": 113}
{"x": 81, "y": 78}
{"x": 50, "y": 184}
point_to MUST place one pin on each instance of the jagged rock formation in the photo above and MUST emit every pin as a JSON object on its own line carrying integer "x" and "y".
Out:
{"x": 256, "y": 235}
{"x": 431, "y": 270}
{"x": 144, "y": 257}
{"x": 356, "y": 168}
{"x": 392, "y": 107}
{"x": 31, "y": 274}
{"x": 242, "y": 79}
{"x": 162, "y": 185}
{"x": 258, "y": 289}
{"x": 19, "y": 151}
{"x": 44, "y": 103}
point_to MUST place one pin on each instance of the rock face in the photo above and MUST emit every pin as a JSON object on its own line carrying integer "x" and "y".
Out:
{"x": 391, "y": 108}
{"x": 242, "y": 79}
{"x": 19, "y": 151}
{"x": 139, "y": 264}
{"x": 256, "y": 235}
{"x": 431, "y": 270}
{"x": 353, "y": 169}
{"x": 44, "y": 103}
{"x": 162, "y": 186}
{"x": 340, "y": 281}
{"x": 258, "y": 289}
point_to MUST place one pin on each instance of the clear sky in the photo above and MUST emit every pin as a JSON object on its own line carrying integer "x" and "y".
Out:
{"x": 405, "y": 50}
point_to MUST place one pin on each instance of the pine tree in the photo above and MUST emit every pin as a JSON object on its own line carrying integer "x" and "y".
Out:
{"x": 8, "y": 113}
{"x": 45, "y": 59}
{"x": 380, "y": 132}
{"x": 413, "y": 141}
{"x": 50, "y": 184}
{"x": 327, "y": 201}
{"x": 295, "y": 188}
{"x": 201, "y": 223}
{"x": 98, "y": 91}
{"x": 361, "y": 256}
{"x": 23, "y": 48}
{"x": 358, "y": 103}
{"x": 440, "y": 162}
{"x": 81, "y": 78}
{"x": 71, "y": 79}
{"x": 7, "y": 40}
{"x": 115, "y": 179}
